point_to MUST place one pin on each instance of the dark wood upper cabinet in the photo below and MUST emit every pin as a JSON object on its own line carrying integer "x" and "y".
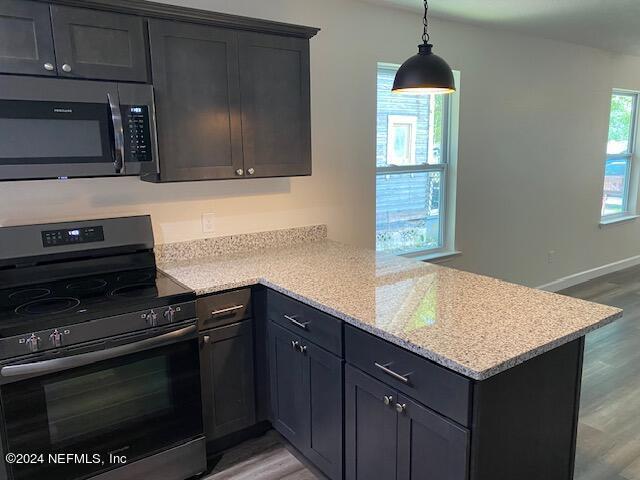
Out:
{"x": 26, "y": 41}
{"x": 276, "y": 120}
{"x": 196, "y": 80}
{"x": 99, "y": 45}
{"x": 232, "y": 93}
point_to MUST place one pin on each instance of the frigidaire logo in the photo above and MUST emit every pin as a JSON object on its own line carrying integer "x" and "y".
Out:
{"x": 63, "y": 110}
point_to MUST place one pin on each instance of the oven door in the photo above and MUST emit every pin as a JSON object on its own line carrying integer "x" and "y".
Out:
{"x": 109, "y": 413}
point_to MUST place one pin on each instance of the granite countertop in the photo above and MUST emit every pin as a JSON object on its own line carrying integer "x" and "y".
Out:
{"x": 475, "y": 325}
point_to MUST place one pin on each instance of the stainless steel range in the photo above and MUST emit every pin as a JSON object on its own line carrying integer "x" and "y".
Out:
{"x": 99, "y": 368}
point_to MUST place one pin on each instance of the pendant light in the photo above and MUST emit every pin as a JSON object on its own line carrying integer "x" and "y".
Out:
{"x": 424, "y": 73}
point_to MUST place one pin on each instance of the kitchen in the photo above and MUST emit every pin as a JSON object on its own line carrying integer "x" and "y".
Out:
{"x": 189, "y": 208}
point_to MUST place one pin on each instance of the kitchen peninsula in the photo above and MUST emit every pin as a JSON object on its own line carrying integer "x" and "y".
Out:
{"x": 417, "y": 367}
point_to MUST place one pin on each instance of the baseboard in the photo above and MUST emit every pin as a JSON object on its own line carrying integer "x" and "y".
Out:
{"x": 580, "y": 277}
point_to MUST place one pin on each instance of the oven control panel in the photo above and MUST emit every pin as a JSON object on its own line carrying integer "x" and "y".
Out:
{"x": 106, "y": 330}
{"x": 72, "y": 236}
{"x": 137, "y": 136}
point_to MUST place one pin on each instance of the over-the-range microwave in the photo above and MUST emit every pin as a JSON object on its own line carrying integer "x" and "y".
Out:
{"x": 61, "y": 128}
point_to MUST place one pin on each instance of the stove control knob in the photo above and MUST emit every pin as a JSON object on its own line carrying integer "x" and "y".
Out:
{"x": 152, "y": 319}
{"x": 56, "y": 339}
{"x": 170, "y": 314}
{"x": 33, "y": 343}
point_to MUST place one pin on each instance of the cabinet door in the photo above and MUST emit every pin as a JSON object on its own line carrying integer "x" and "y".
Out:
{"x": 26, "y": 42}
{"x": 195, "y": 72}
{"x": 429, "y": 446}
{"x": 276, "y": 126}
{"x": 226, "y": 361}
{"x": 99, "y": 45}
{"x": 370, "y": 428}
{"x": 288, "y": 400}
{"x": 322, "y": 385}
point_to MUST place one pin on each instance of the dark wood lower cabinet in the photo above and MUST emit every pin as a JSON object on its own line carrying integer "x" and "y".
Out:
{"x": 430, "y": 446}
{"x": 392, "y": 437}
{"x": 370, "y": 428}
{"x": 306, "y": 398}
{"x": 322, "y": 385}
{"x": 287, "y": 396}
{"x": 226, "y": 364}
{"x": 353, "y": 422}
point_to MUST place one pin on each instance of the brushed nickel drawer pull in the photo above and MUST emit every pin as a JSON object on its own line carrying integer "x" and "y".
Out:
{"x": 391, "y": 373}
{"x": 293, "y": 320}
{"x": 226, "y": 310}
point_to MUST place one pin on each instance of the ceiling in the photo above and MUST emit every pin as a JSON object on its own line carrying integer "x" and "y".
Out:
{"x": 608, "y": 24}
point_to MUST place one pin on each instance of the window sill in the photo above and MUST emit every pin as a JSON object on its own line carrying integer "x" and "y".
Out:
{"x": 618, "y": 219}
{"x": 434, "y": 257}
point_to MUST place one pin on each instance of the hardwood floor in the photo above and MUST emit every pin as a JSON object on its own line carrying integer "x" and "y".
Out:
{"x": 263, "y": 458}
{"x": 609, "y": 428}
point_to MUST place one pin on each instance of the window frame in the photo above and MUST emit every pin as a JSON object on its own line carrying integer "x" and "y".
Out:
{"x": 447, "y": 169}
{"x": 630, "y": 187}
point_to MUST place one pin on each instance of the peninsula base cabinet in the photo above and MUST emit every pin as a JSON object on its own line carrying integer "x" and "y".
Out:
{"x": 306, "y": 398}
{"x": 390, "y": 436}
{"x": 358, "y": 407}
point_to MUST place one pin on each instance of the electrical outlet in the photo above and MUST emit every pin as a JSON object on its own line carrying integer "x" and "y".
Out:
{"x": 208, "y": 222}
{"x": 550, "y": 256}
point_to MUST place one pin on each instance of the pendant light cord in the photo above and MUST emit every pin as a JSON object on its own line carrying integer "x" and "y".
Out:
{"x": 425, "y": 23}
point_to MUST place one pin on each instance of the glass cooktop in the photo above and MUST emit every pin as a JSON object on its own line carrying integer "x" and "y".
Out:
{"x": 75, "y": 300}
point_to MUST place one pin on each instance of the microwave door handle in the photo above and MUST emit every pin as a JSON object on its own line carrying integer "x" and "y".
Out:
{"x": 83, "y": 359}
{"x": 118, "y": 135}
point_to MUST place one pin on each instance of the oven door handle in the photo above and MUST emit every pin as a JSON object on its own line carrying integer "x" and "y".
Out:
{"x": 118, "y": 135}
{"x": 66, "y": 363}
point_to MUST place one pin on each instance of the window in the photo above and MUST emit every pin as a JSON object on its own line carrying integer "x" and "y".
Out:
{"x": 401, "y": 141}
{"x": 414, "y": 169}
{"x": 620, "y": 152}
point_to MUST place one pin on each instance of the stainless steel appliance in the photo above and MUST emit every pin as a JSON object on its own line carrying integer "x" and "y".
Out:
{"x": 99, "y": 356}
{"x": 60, "y": 128}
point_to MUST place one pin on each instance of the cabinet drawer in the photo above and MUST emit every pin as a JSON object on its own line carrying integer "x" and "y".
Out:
{"x": 307, "y": 322}
{"x": 223, "y": 308}
{"x": 434, "y": 386}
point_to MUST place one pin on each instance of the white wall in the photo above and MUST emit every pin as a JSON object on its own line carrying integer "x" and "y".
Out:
{"x": 532, "y": 139}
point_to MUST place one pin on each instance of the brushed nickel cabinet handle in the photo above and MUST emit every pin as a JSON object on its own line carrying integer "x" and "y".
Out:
{"x": 295, "y": 345}
{"x": 66, "y": 68}
{"x": 49, "y": 67}
{"x": 387, "y": 399}
{"x": 206, "y": 339}
{"x": 391, "y": 373}
{"x": 293, "y": 320}
{"x": 401, "y": 407}
{"x": 226, "y": 310}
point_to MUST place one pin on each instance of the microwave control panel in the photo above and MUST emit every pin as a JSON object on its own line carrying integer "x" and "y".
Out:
{"x": 72, "y": 236}
{"x": 137, "y": 137}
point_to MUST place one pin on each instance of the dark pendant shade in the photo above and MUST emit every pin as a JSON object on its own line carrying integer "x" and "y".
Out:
{"x": 424, "y": 74}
